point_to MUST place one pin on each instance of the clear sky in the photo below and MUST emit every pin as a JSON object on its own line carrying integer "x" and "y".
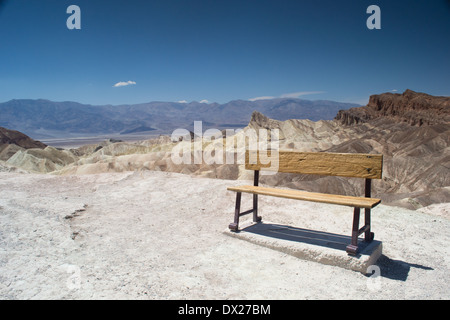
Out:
{"x": 221, "y": 50}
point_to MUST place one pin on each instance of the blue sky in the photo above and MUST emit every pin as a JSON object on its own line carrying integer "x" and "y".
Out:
{"x": 221, "y": 50}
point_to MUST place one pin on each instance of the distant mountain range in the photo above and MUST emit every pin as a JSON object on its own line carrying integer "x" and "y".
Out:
{"x": 47, "y": 119}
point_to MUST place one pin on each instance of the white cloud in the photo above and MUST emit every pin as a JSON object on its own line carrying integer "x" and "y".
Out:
{"x": 288, "y": 95}
{"x": 394, "y": 90}
{"x": 122, "y": 84}
{"x": 182, "y": 101}
{"x": 261, "y": 98}
{"x": 204, "y": 101}
{"x": 299, "y": 94}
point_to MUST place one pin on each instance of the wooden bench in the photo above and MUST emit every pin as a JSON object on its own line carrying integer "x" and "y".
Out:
{"x": 367, "y": 166}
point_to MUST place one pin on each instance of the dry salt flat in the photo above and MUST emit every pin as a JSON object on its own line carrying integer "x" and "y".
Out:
{"x": 159, "y": 235}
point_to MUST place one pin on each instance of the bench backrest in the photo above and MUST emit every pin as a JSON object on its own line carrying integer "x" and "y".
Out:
{"x": 356, "y": 165}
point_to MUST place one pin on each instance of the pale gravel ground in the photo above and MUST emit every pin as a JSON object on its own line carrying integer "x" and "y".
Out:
{"x": 156, "y": 235}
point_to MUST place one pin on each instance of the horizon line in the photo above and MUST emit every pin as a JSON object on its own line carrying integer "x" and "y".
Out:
{"x": 203, "y": 101}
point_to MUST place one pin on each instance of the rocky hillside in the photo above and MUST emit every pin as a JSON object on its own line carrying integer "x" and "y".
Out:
{"x": 12, "y": 141}
{"x": 18, "y": 150}
{"x": 411, "y": 107}
{"x": 18, "y": 138}
{"x": 416, "y": 159}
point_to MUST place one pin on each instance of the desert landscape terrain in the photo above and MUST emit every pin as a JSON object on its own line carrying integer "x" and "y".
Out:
{"x": 159, "y": 235}
{"x": 121, "y": 220}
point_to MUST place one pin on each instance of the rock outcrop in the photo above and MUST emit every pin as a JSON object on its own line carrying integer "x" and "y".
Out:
{"x": 18, "y": 138}
{"x": 41, "y": 160}
{"x": 413, "y": 108}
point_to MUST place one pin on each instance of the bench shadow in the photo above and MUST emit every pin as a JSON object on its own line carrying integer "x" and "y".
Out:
{"x": 397, "y": 269}
{"x": 389, "y": 268}
{"x": 313, "y": 237}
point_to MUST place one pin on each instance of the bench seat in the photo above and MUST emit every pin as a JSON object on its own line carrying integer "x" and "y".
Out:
{"x": 358, "y": 202}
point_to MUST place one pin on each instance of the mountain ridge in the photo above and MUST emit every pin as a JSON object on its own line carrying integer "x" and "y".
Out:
{"x": 43, "y": 118}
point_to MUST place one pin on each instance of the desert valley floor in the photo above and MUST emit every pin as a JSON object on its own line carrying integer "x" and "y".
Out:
{"x": 159, "y": 235}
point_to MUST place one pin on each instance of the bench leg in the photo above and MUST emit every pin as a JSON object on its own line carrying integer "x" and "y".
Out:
{"x": 255, "y": 198}
{"x": 352, "y": 248}
{"x": 255, "y": 209}
{"x": 234, "y": 226}
{"x": 368, "y": 236}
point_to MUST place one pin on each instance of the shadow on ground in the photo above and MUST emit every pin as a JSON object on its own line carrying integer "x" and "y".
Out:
{"x": 397, "y": 269}
{"x": 389, "y": 268}
{"x": 313, "y": 237}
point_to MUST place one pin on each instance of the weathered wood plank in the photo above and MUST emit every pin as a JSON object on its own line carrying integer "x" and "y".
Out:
{"x": 356, "y": 165}
{"x": 350, "y": 201}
